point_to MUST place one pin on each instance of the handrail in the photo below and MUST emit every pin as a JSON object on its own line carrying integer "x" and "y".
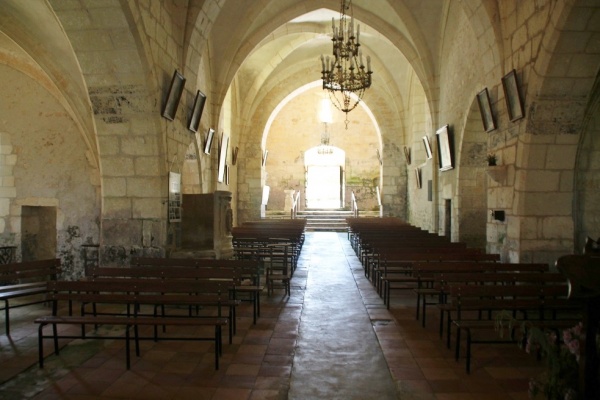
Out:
{"x": 354, "y": 205}
{"x": 295, "y": 205}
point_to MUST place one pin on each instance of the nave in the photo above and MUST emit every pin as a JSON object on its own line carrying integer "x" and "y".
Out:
{"x": 331, "y": 339}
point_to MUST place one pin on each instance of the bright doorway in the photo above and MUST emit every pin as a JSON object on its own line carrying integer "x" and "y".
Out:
{"x": 324, "y": 177}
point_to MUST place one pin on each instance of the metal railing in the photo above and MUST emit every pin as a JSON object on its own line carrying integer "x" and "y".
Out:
{"x": 295, "y": 205}
{"x": 354, "y": 205}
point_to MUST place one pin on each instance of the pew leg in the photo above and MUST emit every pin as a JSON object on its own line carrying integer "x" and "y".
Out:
{"x": 127, "y": 347}
{"x": 418, "y": 305}
{"x": 449, "y": 330}
{"x": 41, "y": 346}
{"x": 468, "y": 351}
{"x": 441, "y": 324}
{"x": 457, "y": 350}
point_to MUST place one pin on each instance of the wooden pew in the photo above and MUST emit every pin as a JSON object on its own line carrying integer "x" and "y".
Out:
{"x": 432, "y": 277}
{"x": 247, "y": 272}
{"x": 526, "y": 298}
{"x": 132, "y": 296}
{"x": 25, "y": 279}
{"x": 407, "y": 261}
{"x": 226, "y": 278}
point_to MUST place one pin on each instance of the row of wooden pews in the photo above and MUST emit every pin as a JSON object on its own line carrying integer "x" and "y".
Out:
{"x": 469, "y": 288}
{"x": 276, "y": 244}
{"x": 203, "y": 294}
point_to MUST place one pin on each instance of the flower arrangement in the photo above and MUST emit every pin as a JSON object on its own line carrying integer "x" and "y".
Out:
{"x": 491, "y": 159}
{"x": 560, "y": 380}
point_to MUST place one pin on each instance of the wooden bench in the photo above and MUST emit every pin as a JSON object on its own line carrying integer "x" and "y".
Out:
{"x": 25, "y": 279}
{"x": 278, "y": 256}
{"x": 432, "y": 278}
{"x": 132, "y": 295}
{"x": 528, "y": 299}
{"x": 227, "y": 278}
{"x": 247, "y": 271}
{"x": 406, "y": 273}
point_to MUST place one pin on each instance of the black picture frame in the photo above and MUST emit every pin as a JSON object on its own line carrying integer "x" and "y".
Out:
{"x": 234, "y": 155}
{"x": 512, "y": 96}
{"x": 418, "y": 177}
{"x": 485, "y": 109}
{"x": 210, "y": 134}
{"x": 222, "y": 157}
{"x": 197, "y": 109}
{"x": 445, "y": 148}
{"x": 428, "y": 153}
{"x": 407, "y": 154}
{"x": 429, "y": 190}
{"x": 174, "y": 95}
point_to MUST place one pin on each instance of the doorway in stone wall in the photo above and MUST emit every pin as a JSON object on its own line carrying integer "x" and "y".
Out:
{"x": 38, "y": 233}
{"x": 324, "y": 184}
{"x": 448, "y": 218}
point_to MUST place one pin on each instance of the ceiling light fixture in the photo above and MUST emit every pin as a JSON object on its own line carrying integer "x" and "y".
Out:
{"x": 345, "y": 74}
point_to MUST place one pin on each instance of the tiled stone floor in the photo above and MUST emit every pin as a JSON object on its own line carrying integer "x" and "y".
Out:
{"x": 260, "y": 362}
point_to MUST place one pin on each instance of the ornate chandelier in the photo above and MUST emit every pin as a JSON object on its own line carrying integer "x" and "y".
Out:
{"x": 344, "y": 75}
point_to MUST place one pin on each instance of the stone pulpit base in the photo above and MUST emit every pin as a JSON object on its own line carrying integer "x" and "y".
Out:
{"x": 206, "y": 222}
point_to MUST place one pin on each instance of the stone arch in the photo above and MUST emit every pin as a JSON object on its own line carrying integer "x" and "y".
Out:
{"x": 295, "y": 127}
{"x": 587, "y": 175}
{"x": 471, "y": 204}
{"x": 559, "y": 87}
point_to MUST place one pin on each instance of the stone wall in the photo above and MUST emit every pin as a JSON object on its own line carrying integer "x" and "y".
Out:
{"x": 44, "y": 164}
{"x": 297, "y": 128}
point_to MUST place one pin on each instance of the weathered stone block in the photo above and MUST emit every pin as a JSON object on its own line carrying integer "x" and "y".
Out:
{"x": 118, "y": 166}
{"x": 148, "y": 208}
{"x": 557, "y": 228}
{"x": 4, "y": 207}
{"x": 561, "y": 157}
{"x": 545, "y": 203}
{"x": 115, "y": 187}
{"x": 143, "y": 187}
{"x": 117, "y": 207}
{"x": 139, "y": 145}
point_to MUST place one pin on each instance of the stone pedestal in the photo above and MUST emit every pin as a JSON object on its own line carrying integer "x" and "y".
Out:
{"x": 206, "y": 223}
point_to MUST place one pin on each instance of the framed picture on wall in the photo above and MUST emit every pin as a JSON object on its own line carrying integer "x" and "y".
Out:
{"x": 485, "y": 108}
{"x": 514, "y": 104}
{"x": 223, "y": 157}
{"x": 209, "y": 139}
{"x": 428, "y": 153}
{"x": 407, "y": 154}
{"x": 444, "y": 142}
{"x": 234, "y": 155}
{"x": 197, "y": 111}
{"x": 174, "y": 95}
{"x": 418, "y": 177}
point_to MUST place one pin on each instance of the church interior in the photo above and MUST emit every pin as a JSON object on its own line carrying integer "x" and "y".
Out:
{"x": 159, "y": 127}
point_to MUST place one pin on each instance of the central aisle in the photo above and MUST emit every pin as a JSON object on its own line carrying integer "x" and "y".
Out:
{"x": 337, "y": 355}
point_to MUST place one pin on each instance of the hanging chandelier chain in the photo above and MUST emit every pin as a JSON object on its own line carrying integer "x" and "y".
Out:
{"x": 345, "y": 75}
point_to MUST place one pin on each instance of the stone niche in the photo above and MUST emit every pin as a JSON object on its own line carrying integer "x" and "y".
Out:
{"x": 206, "y": 222}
